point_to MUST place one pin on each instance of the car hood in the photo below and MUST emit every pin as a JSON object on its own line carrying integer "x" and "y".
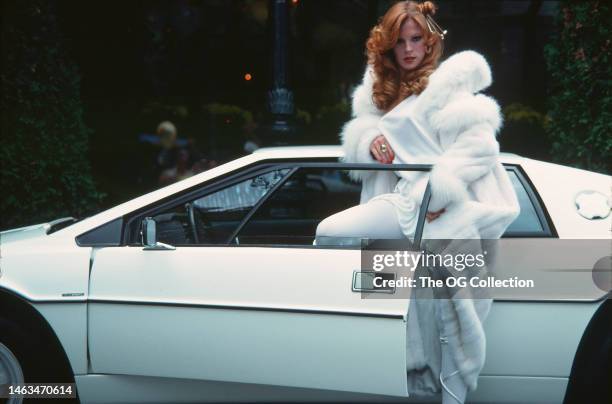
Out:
{"x": 36, "y": 230}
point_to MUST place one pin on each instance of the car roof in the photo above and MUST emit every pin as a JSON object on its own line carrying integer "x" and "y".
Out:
{"x": 262, "y": 154}
{"x": 330, "y": 151}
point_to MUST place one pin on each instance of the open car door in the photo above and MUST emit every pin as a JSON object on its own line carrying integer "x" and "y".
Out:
{"x": 273, "y": 315}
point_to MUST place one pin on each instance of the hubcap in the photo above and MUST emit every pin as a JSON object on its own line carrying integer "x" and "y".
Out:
{"x": 10, "y": 370}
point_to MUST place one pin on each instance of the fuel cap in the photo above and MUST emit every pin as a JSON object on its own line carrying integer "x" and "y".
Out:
{"x": 593, "y": 205}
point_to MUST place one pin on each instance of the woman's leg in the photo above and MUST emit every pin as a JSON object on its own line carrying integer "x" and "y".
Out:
{"x": 453, "y": 388}
{"x": 375, "y": 219}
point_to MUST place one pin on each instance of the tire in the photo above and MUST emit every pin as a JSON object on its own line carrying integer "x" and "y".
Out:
{"x": 592, "y": 367}
{"x": 37, "y": 360}
{"x": 10, "y": 370}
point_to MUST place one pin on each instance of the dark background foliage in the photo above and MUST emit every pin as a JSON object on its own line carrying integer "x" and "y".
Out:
{"x": 45, "y": 169}
{"x": 580, "y": 103}
{"x": 81, "y": 80}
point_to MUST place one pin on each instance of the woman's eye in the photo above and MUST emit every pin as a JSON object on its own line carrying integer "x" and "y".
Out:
{"x": 416, "y": 38}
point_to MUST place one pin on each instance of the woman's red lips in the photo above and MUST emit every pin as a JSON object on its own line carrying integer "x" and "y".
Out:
{"x": 409, "y": 59}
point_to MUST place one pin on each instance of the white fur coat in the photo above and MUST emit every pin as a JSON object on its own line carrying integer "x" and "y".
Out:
{"x": 467, "y": 180}
{"x": 464, "y": 124}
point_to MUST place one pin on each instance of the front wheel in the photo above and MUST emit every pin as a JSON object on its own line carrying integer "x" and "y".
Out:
{"x": 26, "y": 356}
{"x": 10, "y": 370}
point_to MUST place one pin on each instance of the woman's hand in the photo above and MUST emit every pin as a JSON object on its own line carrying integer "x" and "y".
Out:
{"x": 381, "y": 150}
{"x": 431, "y": 216}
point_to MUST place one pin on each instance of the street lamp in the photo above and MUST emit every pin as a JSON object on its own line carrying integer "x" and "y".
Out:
{"x": 280, "y": 97}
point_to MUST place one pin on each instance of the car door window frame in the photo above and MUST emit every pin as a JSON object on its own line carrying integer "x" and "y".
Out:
{"x": 548, "y": 228}
{"x": 337, "y": 166}
{"x": 131, "y": 229}
{"x": 260, "y": 202}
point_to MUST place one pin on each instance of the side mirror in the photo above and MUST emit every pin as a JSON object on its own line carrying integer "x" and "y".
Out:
{"x": 149, "y": 232}
{"x": 149, "y": 237}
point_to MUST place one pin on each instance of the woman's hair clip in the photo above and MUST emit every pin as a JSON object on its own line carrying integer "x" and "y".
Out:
{"x": 434, "y": 27}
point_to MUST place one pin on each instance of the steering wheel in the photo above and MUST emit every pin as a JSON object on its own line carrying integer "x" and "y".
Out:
{"x": 200, "y": 224}
{"x": 192, "y": 223}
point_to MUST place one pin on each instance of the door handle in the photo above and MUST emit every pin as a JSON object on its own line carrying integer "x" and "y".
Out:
{"x": 372, "y": 282}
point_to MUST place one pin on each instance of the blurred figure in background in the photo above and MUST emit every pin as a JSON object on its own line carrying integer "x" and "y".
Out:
{"x": 252, "y": 141}
{"x": 174, "y": 161}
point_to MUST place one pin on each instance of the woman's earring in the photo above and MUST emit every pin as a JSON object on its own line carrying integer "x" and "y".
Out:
{"x": 428, "y": 50}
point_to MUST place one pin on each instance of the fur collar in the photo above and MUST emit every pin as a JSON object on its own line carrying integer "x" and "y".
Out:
{"x": 449, "y": 102}
{"x": 463, "y": 72}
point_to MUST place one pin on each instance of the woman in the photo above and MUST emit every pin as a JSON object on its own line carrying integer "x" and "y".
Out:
{"x": 472, "y": 196}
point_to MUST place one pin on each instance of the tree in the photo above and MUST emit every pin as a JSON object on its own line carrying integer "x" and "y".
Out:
{"x": 45, "y": 171}
{"x": 580, "y": 103}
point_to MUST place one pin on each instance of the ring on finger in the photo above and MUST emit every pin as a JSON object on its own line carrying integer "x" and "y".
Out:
{"x": 383, "y": 148}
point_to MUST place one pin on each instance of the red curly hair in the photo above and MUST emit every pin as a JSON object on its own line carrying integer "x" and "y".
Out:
{"x": 393, "y": 84}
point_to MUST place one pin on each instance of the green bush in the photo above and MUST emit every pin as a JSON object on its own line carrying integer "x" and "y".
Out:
{"x": 580, "y": 103}
{"x": 229, "y": 114}
{"x": 228, "y": 127}
{"x": 328, "y": 122}
{"x": 521, "y": 113}
{"x": 45, "y": 171}
{"x": 525, "y": 132}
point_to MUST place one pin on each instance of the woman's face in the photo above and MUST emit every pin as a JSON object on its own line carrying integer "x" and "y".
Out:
{"x": 410, "y": 48}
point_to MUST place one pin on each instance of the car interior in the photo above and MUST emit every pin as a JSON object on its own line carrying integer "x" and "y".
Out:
{"x": 284, "y": 207}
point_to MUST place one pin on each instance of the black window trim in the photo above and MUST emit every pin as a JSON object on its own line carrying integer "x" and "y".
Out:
{"x": 260, "y": 202}
{"x": 132, "y": 221}
{"x": 322, "y": 165}
{"x": 130, "y": 229}
{"x": 106, "y": 235}
{"x": 130, "y": 234}
{"x": 548, "y": 228}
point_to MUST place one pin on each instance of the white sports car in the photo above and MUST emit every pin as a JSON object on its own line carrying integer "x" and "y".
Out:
{"x": 211, "y": 290}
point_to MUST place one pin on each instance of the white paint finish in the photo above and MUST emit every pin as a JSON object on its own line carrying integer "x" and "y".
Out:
{"x": 293, "y": 278}
{"x": 23, "y": 233}
{"x": 559, "y": 268}
{"x": 44, "y": 268}
{"x": 69, "y": 322}
{"x": 298, "y": 151}
{"x": 110, "y": 389}
{"x": 36, "y": 230}
{"x": 282, "y": 348}
{"x": 286, "y": 349}
{"x": 534, "y": 339}
{"x": 558, "y": 187}
{"x": 519, "y": 390}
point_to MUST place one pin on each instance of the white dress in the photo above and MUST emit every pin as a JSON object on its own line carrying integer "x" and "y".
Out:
{"x": 406, "y": 208}
{"x": 403, "y": 199}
